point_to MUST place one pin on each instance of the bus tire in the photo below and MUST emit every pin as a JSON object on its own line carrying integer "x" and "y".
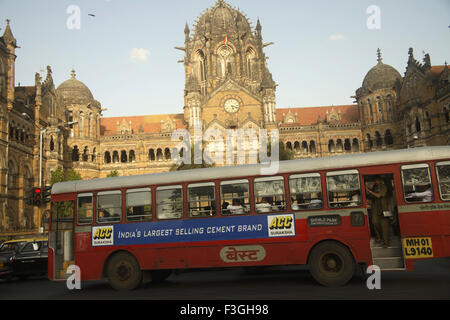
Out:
{"x": 123, "y": 272}
{"x": 331, "y": 264}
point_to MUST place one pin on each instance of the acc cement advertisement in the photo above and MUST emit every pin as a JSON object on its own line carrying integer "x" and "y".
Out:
{"x": 192, "y": 230}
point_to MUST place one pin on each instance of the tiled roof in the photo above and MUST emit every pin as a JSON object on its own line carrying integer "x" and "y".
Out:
{"x": 140, "y": 124}
{"x": 310, "y": 115}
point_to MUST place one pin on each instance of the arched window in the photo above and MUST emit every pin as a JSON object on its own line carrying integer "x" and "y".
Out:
{"x": 151, "y": 155}
{"x": 389, "y": 102}
{"x": 339, "y": 147}
{"x": 297, "y": 146}
{"x": 200, "y": 65}
{"x": 380, "y": 109}
{"x": 312, "y": 146}
{"x": 388, "y": 139}
{"x": 305, "y": 146}
{"x": 378, "y": 139}
{"x": 288, "y": 145}
{"x": 159, "y": 154}
{"x": 52, "y": 144}
{"x": 331, "y": 146}
{"x": 93, "y": 154}
{"x": 167, "y": 154}
{"x": 418, "y": 126}
{"x": 107, "y": 157}
{"x": 428, "y": 120}
{"x": 250, "y": 58}
{"x": 123, "y": 156}
{"x": 115, "y": 157}
{"x": 75, "y": 154}
{"x": 369, "y": 141}
{"x": 355, "y": 145}
{"x": 370, "y": 111}
{"x": 347, "y": 145}
{"x": 132, "y": 156}
{"x": 85, "y": 156}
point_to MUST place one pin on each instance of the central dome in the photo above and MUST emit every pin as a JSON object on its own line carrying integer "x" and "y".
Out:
{"x": 74, "y": 91}
{"x": 220, "y": 20}
{"x": 382, "y": 76}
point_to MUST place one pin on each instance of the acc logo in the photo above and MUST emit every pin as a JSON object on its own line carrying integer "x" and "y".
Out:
{"x": 103, "y": 236}
{"x": 282, "y": 225}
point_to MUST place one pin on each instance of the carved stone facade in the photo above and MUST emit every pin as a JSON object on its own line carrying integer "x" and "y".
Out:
{"x": 228, "y": 86}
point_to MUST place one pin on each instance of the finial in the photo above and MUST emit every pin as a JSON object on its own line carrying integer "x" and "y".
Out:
{"x": 72, "y": 74}
{"x": 379, "y": 59}
{"x": 258, "y": 25}
{"x": 7, "y": 21}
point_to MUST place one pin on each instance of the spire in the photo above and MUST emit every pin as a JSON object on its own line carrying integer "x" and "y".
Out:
{"x": 379, "y": 59}
{"x": 411, "y": 55}
{"x": 8, "y": 36}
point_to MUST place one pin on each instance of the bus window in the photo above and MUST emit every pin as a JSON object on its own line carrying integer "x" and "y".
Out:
{"x": 63, "y": 214}
{"x": 443, "y": 175}
{"x": 169, "y": 202}
{"x": 202, "y": 199}
{"x": 85, "y": 208}
{"x": 417, "y": 183}
{"x": 235, "y": 197}
{"x": 306, "y": 191}
{"x": 343, "y": 189}
{"x": 139, "y": 204}
{"x": 109, "y": 206}
{"x": 269, "y": 194}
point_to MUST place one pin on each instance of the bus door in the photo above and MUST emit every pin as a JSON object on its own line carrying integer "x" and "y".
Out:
{"x": 424, "y": 214}
{"x": 385, "y": 229}
{"x": 61, "y": 239}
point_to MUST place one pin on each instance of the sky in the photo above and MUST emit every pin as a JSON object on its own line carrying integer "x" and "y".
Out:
{"x": 125, "y": 52}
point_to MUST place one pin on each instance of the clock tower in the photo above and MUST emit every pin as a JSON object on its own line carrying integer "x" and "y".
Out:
{"x": 227, "y": 81}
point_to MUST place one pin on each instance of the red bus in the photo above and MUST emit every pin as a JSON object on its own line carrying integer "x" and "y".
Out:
{"x": 314, "y": 211}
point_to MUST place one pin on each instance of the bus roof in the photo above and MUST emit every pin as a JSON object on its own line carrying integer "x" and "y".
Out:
{"x": 314, "y": 164}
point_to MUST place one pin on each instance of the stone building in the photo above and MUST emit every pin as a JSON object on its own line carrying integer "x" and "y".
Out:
{"x": 228, "y": 86}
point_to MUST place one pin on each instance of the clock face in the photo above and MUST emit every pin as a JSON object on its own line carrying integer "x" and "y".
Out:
{"x": 231, "y": 105}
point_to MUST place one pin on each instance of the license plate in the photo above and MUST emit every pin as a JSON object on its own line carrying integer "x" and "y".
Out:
{"x": 417, "y": 248}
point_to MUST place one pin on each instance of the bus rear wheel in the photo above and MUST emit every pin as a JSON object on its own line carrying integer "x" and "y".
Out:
{"x": 123, "y": 272}
{"x": 331, "y": 264}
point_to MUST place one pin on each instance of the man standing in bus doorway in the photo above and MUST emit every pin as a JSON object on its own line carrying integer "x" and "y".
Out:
{"x": 381, "y": 224}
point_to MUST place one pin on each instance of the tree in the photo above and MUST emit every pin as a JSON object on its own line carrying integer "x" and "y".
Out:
{"x": 60, "y": 176}
{"x": 113, "y": 173}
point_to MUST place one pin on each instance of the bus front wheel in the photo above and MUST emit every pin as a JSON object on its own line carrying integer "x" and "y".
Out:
{"x": 123, "y": 272}
{"x": 331, "y": 264}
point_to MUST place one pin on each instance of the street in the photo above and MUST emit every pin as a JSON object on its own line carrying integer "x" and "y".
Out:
{"x": 429, "y": 280}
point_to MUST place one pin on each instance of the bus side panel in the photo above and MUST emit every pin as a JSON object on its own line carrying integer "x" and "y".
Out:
{"x": 415, "y": 224}
{"x": 356, "y": 238}
{"x": 85, "y": 256}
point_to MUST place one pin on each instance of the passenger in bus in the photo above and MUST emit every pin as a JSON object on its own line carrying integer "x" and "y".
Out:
{"x": 425, "y": 196}
{"x": 316, "y": 201}
{"x": 235, "y": 207}
{"x": 264, "y": 206}
{"x": 379, "y": 199}
{"x": 355, "y": 199}
{"x": 295, "y": 205}
{"x": 225, "y": 205}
